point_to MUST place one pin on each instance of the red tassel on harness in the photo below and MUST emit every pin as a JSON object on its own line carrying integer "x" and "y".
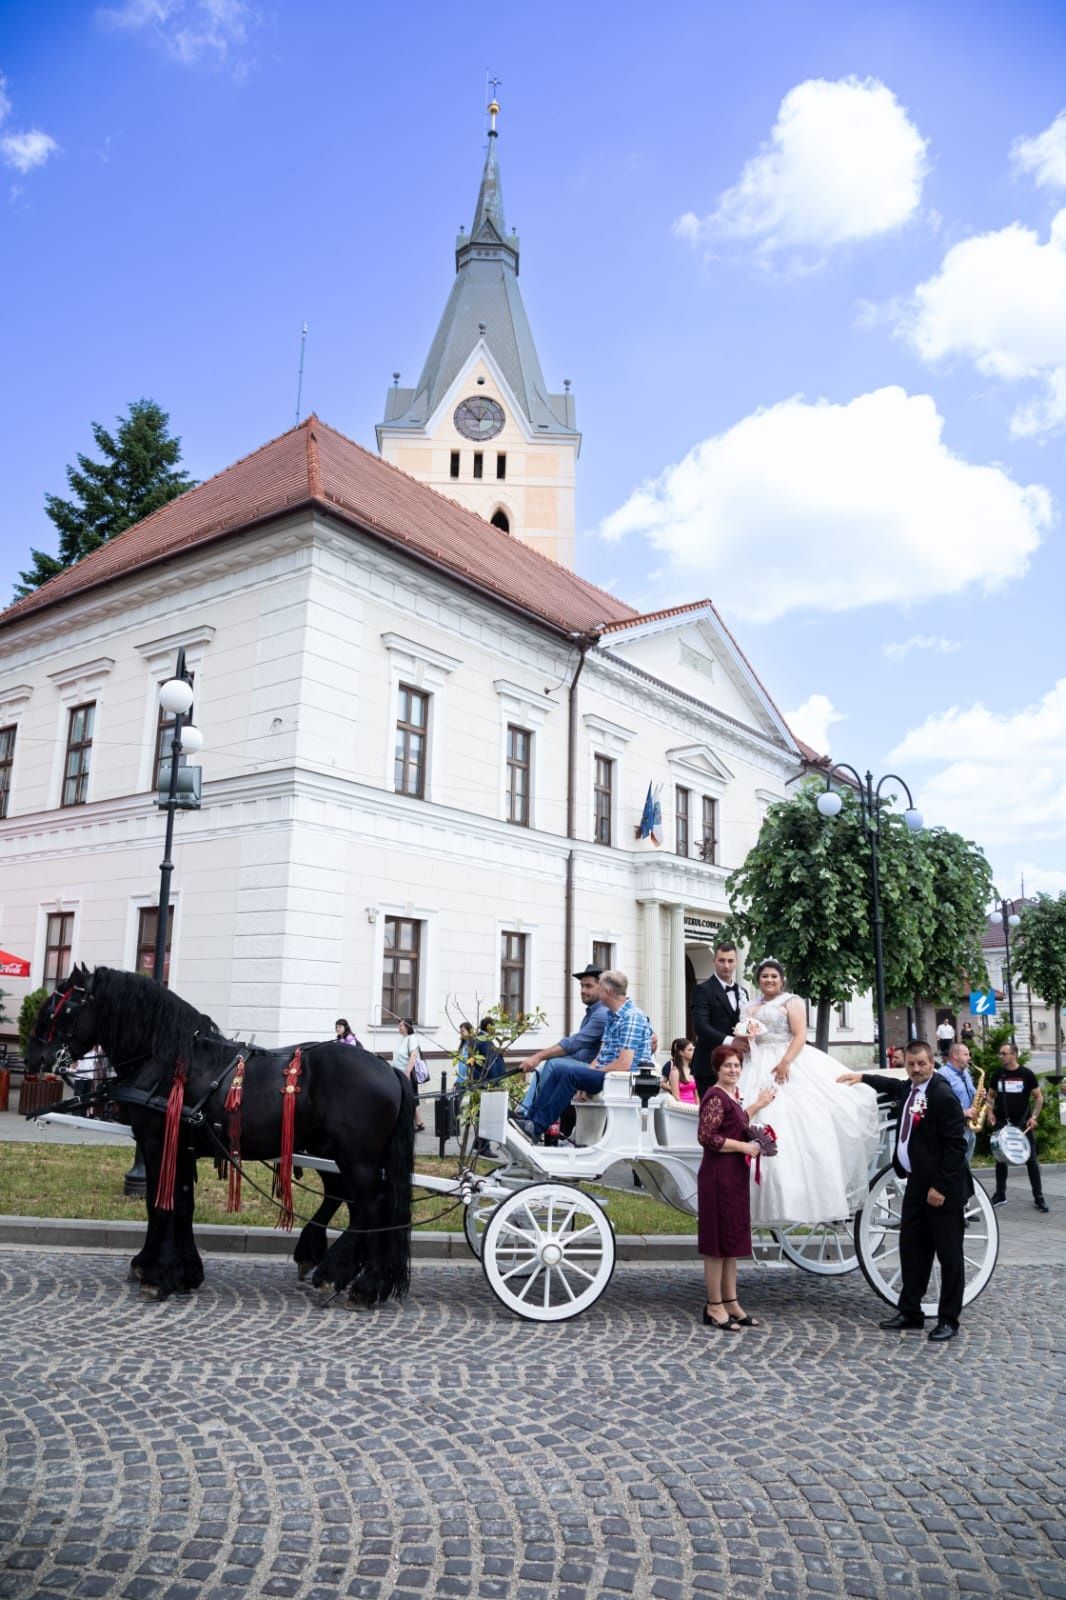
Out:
{"x": 164, "y": 1193}
{"x": 233, "y": 1136}
{"x": 283, "y": 1176}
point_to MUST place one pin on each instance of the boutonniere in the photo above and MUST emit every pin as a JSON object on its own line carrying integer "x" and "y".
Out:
{"x": 918, "y": 1108}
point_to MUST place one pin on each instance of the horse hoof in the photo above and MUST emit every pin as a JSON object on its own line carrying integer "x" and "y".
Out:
{"x": 302, "y": 1269}
{"x": 326, "y": 1290}
{"x": 152, "y": 1291}
{"x": 134, "y": 1274}
{"x": 360, "y": 1302}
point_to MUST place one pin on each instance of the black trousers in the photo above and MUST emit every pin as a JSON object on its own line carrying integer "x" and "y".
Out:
{"x": 926, "y": 1232}
{"x": 1032, "y": 1167}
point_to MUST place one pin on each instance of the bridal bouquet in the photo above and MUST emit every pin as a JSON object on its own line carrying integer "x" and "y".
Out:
{"x": 748, "y": 1028}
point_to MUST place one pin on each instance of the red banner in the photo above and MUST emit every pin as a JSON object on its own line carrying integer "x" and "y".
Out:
{"x": 13, "y": 966}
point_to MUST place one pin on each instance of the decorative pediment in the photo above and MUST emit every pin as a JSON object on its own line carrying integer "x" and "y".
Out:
{"x": 698, "y": 762}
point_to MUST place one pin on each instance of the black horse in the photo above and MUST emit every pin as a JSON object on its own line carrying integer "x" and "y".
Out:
{"x": 348, "y": 1106}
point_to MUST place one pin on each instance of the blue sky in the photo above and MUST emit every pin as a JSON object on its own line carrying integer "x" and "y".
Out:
{"x": 800, "y": 263}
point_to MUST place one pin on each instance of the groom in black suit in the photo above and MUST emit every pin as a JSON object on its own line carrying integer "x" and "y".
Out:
{"x": 931, "y": 1155}
{"x": 716, "y": 1004}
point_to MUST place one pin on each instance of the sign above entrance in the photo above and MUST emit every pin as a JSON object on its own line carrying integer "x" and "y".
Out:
{"x": 701, "y": 930}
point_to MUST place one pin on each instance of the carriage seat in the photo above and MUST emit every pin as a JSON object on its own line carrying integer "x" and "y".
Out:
{"x": 676, "y": 1124}
{"x": 612, "y": 1115}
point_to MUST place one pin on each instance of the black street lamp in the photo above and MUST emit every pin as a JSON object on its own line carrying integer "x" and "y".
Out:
{"x": 1010, "y": 919}
{"x": 829, "y": 805}
{"x": 182, "y": 792}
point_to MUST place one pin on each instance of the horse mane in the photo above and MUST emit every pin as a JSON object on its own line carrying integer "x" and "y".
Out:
{"x": 145, "y": 1011}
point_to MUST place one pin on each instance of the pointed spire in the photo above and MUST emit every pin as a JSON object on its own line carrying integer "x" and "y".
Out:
{"x": 488, "y": 213}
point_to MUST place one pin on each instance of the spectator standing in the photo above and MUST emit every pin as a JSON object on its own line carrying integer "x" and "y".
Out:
{"x": 956, "y": 1070}
{"x": 407, "y": 1058}
{"x": 1018, "y": 1099}
{"x": 945, "y": 1037}
{"x": 343, "y": 1029}
{"x": 966, "y": 1035}
{"x": 680, "y": 1083}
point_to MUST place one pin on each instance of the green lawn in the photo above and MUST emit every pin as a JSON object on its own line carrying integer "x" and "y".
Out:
{"x": 85, "y": 1181}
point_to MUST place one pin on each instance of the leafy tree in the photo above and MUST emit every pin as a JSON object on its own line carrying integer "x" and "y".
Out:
{"x": 804, "y": 895}
{"x": 140, "y": 472}
{"x": 28, "y": 1015}
{"x": 1040, "y": 960}
{"x": 3, "y": 1013}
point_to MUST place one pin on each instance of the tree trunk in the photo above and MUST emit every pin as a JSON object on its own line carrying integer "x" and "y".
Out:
{"x": 1058, "y": 1041}
{"x": 918, "y": 1017}
{"x": 821, "y": 1025}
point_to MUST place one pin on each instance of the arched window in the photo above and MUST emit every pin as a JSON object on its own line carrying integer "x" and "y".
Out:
{"x": 500, "y": 519}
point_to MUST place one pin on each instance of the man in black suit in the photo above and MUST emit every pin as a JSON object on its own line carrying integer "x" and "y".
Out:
{"x": 931, "y": 1155}
{"x": 716, "y": 1004}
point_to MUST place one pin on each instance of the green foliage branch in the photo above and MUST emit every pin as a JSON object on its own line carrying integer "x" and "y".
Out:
{"x": 28, "y": 1010}
{"x": 1040, "y": 960}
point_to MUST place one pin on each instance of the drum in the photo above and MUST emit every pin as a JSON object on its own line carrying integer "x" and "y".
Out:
{"x": 1010, "y": 1146}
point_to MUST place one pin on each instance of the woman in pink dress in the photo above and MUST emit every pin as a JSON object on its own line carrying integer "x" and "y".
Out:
{"x": 724, "y": 1190}
{"x": 680, "y": 1083}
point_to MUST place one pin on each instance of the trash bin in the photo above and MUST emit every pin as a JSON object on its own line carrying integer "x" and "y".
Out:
{"x": 39, "y": 1090}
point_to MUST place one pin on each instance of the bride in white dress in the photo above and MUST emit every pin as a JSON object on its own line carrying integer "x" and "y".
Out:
{"x": 827, "y": 1138}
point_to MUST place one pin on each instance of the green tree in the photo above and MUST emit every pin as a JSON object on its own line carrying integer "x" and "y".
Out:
{"x": 28, "y": 1010}
{"x": 1040, "y": 958}
{"x": 804, "y": 894}
{"x": 140, "y": 471}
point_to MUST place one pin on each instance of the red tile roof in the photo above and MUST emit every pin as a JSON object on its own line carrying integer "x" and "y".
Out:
{"x": 313, "y": 465}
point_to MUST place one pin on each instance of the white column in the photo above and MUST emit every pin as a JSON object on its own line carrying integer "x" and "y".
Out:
{"x": 676, "y": 997}
{"x": 650, "y": 999}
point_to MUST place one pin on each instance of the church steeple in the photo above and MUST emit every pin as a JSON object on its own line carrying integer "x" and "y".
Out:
{"x": 483, "y": 351}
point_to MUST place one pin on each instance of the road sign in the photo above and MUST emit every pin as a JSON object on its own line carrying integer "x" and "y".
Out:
{"x": 982, "y": 1003}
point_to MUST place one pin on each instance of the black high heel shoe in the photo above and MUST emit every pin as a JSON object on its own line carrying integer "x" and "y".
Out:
{"x": 742, "y": 1322}
{"x": 730, "y": 1325}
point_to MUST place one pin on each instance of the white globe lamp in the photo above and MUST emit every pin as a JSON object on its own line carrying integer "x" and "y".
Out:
{"x": 176, "y": 696}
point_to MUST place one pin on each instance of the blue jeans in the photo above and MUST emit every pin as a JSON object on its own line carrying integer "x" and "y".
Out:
{"x": 557, "y": 1093}
{"x": 540, "y": 1081}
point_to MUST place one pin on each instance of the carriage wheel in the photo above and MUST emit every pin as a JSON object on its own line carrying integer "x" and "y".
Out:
{"x": 877, "y": 1243}
{"x": 826, "y": 1248}
{"x": 548, "y": 1252}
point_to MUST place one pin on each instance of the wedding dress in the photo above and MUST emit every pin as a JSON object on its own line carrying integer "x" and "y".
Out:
{"x": 827, "y": 1134}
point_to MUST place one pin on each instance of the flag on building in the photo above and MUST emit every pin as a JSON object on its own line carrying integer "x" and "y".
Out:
{"x": 651, "y": 818}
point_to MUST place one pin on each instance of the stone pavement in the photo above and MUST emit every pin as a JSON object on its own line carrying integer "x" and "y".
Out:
{"x": 249, "y": 1441}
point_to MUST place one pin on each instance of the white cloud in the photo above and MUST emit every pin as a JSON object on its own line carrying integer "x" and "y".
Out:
{"x": 997, "y": 776}
{"x": 1037, "y": 879}
{"x": 999, "y": 301}
{"x": 190, "y": 31}
{"x": 832, "y": 507}
{"x": 812, "y": 721}
{"x": 1044, "y": 156}
{"x": 843, "y": 162}
{"x": 5, "y": 101}
{"x": 899, "y": 649}
{"x": 24, "y": 151}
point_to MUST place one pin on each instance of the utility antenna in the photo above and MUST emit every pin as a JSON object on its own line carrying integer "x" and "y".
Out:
{"x": 300, "y": 379}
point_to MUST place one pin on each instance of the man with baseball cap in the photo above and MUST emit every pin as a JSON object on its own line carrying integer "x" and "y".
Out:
{"x": 577, "y": 1049}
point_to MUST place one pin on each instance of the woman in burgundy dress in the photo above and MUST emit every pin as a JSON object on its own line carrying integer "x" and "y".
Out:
{"x": 724, "y": 1191}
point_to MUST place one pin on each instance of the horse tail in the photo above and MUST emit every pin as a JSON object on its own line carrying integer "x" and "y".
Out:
{"x": 397, "y": 1166}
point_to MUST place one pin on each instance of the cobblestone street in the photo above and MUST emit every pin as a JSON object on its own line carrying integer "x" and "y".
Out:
{"x": 250, "y": 1441}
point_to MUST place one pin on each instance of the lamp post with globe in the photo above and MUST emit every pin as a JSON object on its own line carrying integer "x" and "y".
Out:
{"x": 1010, "y": 919}
{"x": 180, "y": 792}
{"x": 829, "y": 805}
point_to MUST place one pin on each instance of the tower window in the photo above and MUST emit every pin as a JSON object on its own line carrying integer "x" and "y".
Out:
{"x": 479, "y": 463}
{"x": 501, "y": 465}
{"x": 500, "y": 519}
{"x": 455, "y": 463}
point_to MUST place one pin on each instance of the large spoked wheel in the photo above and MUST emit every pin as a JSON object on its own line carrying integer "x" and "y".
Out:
{"x": 827, "y": 1248}
{"x": 548, "y": 1252}
{"x": 877, "y": 1243}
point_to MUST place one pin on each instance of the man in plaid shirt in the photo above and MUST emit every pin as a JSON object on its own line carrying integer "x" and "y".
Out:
{"x": 625, "y": 1046}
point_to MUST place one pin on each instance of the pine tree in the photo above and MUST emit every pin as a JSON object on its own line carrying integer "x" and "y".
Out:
{"x": 140, "y": 472}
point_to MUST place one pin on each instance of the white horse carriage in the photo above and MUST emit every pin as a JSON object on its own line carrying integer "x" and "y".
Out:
{"x": 548, "y": 1248}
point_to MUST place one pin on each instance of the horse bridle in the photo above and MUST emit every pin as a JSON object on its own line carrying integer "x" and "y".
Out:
{"x": 76, "y": 988}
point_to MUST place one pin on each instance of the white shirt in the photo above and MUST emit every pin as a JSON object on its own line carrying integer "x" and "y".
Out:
{"x": 914, "y": 1103}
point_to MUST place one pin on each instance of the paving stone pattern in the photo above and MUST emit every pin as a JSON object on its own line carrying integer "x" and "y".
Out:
{"x": 249, "y": 1441}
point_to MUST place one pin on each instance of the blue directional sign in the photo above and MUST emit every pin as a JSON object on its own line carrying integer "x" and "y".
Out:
{"x": 982, "y": 1003}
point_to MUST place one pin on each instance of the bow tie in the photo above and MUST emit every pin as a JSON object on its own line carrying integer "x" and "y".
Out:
{"x": 731, "y": 988}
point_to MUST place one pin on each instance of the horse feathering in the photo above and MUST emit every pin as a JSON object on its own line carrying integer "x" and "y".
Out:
{"x": 145, "y": 1007}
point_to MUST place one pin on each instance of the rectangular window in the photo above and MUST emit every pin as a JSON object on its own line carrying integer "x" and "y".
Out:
{"x": 513, "y": 973}
{"x": 501, "y": 465}
{"x": 709, "y": 840}
{"x": 58, "y": 946}
{"x": 602, "y": 955}
{"x": 519, "y": 770}
{"x": 681, "y": 820}
{"x": 603, "y": 795}
{"x": 79, "y": 750}
{"x": 843, "y": 1012}
{"x": 147, "y": 927}
{"x": 399, "y": 978}
{"x": 479, "y": 464}
{"x": 7, "y": 762}
{"x": 455, "y": 464}
{"x": 411, "y": 728}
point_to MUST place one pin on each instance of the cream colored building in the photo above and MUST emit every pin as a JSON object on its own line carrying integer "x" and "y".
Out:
{"x": 480, "y": 424}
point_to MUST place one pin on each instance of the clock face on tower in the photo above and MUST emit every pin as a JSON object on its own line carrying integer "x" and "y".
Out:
{"x": 479, "y": 418}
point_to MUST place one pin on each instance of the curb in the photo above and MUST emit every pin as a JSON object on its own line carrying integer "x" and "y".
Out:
{"x": 216, "y": 1239}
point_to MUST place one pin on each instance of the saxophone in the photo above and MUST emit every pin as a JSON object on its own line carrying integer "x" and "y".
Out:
{"x": 981, "y": 1103}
